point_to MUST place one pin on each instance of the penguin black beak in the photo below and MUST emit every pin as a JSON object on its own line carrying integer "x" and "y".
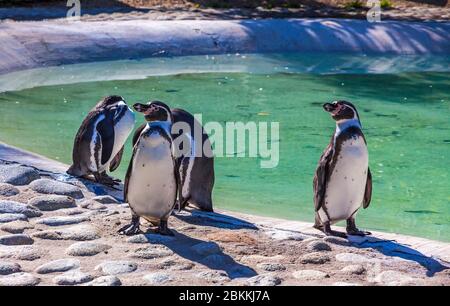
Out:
{"x": 329, "y": 107}
{"x": 139, "y": 107}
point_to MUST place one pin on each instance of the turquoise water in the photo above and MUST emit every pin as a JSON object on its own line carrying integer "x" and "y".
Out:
{"x": 405, "y": 111}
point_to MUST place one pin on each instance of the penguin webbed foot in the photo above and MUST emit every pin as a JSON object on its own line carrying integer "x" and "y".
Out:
{"x": 131, "y": 229}
{"x": 107, "y": 180}
{"x": 326, "y": 229}
{"x": 164, "y": 230}
{"x": 353, "y": 230}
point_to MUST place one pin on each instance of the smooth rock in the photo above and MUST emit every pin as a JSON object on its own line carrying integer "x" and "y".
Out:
{"x": 12, "y": 207}
{"x": 60, "y": 265}
{"x": 150, "y": 238}
{"x": 62, "y": 220}
{"x": 116, "y": 267}
{"x": 271, "y": 267}
{"x": 337, "y": 240}
{"x": 5, "y": 218}
{"x": 315, "y": 258}
{"x": 350, "y": 257}
{"x": 87, "y": 248}
{"x": 157, "y": 278}
{"x": 309, "y": 275}
{"x": 152, "y": 252}
{"x": 17, "y": 175}
{"x": 16, "y": 239}
{"x": 52, "y": 202}
{"x": 175, "y": 265}
{"x": 354, "y": 269}
{"x": 105, "y": 199}
{"x": 25, "y": 252}
{"x": 82, "y": 232}
{"x": 394, "y": 278}
{"x": 264, "y": 280}
{"x": 19, "y": 279}
{"x": 107, "y": 281}
{"x": 206, "y": 248}
{"x": 344, "y": 284}
{"x": 213, "y": 276}
{"x": 8, "y": 190}
{"x": 318, "y": 246}
{"x": 9, "y": 268}
{"x": 16, "y": 227}
{"x": 48, "y": 186}
{"x": 74, "y": 277}
{"x": 92, "y": 205}
{"x": 286, "y": 235}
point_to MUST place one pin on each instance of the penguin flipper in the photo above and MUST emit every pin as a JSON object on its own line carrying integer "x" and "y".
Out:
{"x": 115, "y": 162}
{"x": 368, "y": 192}
{"x": 137, "y": 133}
{"x": 106, "y": 130}
{"x": 321, "y": 177}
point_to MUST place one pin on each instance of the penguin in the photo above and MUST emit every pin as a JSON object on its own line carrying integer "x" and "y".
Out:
{"x": 151, "y": 180}
{"x": 342, "y": 182}
{"x": 195, "y": 173}
{"x": 99, "y": 142}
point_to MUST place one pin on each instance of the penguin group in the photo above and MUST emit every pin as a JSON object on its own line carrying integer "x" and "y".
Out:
{"x": 161, "y": 176}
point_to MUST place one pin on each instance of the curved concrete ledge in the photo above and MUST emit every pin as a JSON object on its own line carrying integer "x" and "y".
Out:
{"x": 26, "y": 45}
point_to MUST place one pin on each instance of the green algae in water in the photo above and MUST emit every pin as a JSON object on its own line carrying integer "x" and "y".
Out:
{"x": 405, "y": 119}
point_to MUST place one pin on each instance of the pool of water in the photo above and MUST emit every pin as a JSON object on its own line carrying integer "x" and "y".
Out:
{"x": 404, "y": 104}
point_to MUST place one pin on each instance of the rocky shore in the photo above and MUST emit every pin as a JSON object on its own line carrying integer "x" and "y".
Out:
{"x": 58, "y": 230}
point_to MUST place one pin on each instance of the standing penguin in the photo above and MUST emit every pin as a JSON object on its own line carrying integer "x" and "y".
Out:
{"x": 98, "y": 145}
{"x": 151, "y": 179}
{"x": 343, "y": 182}
{"x": 195, "y": 171}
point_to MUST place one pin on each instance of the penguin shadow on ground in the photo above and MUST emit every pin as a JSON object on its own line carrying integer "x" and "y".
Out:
{"x": 214, "y": 219}
{"x": 395, "y": 249}
{"x": 203, "y": 252}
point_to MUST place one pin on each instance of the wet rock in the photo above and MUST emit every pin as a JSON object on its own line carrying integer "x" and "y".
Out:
{"x": 19, "y": 279}
{"x": 12, "y": 207}
{"x": 318, "y": 246}
{"x": 105, "y": 199}
{"x": 150, "y": 238}
{"x": 78, "y": 233}
{"x": 16, "y": 239}
{"x": 8, "y": 190}
{"x": 17, "y": 175}
{"x": 213, "y": 276}
{"x": 107, "y": 281}
{"x": 48, "y": 186}
{"x": 337, "y": 240}
{"x": 309, "y": 275}
{"x": 354, "y": 269}
{"x": 60, "y": 265}
{"x": 74, "y": 277}
{"x": 9, "y": 268}
{"x": 16, "y": 227}
{"x": 394, "y": 278}
{"x": 117, "y": 267}
{"x": 52, "y": 202}
{"x": 152, "y": 252}
{"x": 25, "y": 252}
{"x": 206, "y": 248}
{"x": 271, "y": 267}
{"x": 316, "y": 258}
{"x": 264, "y": 280}
{"x": 62, "y": 220}
{"x": 350, "y": 257}
{"x": 87, "y": 248}
{"x": 157, "y": 278}
{"x": 5, "y": 218}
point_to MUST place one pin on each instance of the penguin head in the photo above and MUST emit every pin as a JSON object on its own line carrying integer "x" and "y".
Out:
{"x": 114, "y": 104}
{"x": 341, "y": 110}
{"x": 154, "y": 111}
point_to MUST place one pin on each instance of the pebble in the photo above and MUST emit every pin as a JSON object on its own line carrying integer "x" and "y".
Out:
{"x": 48, "y": 186}
{"x": 52, "y": 202}
{"x": 16, "y": 239}
{"x": 350, "y": 257}
{"x": 309, "y": 275}
{"x": 5, "y": 218}
{"x": 315, "y": 258}
{"x": 264, "y": 280}
{"x": 17, "y": 175}
{"x": 337, "y": 240}
{"x": 354, "y": 269}
{"x": 8, "y": 190}
{"x": 82, "y": 232}
{"x": 60, "y": 265}
{"x": 157, "y": 278}
{"x": 152, "y": 252}
{"x": 9, "y": 268}
{"x": 150, "y": 238}
{"x": 19, "y": 279}
{"x": 109, "y": 281}
{"x": 394, "y": 278}
{"x": 206, "y": 248}
{"x": 213, "y": 276}
{"x": 16, "y": 227}
{"x": 62, "y": 220}
{"x": 105, "y": 199}
{"x": 25, "y": 252}
{"x": 12, "y": 207}
{"x": 87, "y": 248}
{"x": 74, "y": 277}
{"x": 271, "y": 267}
{"x": 117, "y": 267}
{"x": 318, "y": 246}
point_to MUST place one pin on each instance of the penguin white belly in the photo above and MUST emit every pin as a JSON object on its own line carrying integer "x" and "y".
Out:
{"x": 346, "y": 187}
{"x": 152, "y": 186}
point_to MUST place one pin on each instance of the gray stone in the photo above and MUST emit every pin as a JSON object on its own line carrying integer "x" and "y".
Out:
{"x": 62, "y": 220}
{"x": 9, "y": 268}
{"x": 52, "y": 202}
{"x": 117, "y": 267}
{"x": 394, "y": 278}
{"x": 206, "y": 248}
{"x": 73, "y": 277}
{"x": 107, "y": 281}
{"x": 16, "y": 239}
{"x": 286, "y": 235}
{"x": 16, "y": 227}
{"x": 25, "y": 252}
{"x": 157, "y": 278}
{"x": 5, "y": 218}
{"x": 60, "y": 265}
{"x": 175, "y": 265}
{"x": 81, "y": 232}
{"x": 105, "y": 199}
{"x": 309, "y": 275}
{"x": 337, "y": 240}
{"x": 150, "y": 238}
{"x": 216, "y": 260}
{"x": 12, "y": 207}
{"x": 92, "y": 205}
{"x": 315, "y": 258}
{"x": 150, "y": 252}
{"x": 48, "y": 186}
{"x": 354, "y": 269}
{"x": 17, "y": 175}
{"x": 87, "y": 248}
{"x": 19, "y": 279}
{"x": 8, "y": 190}
{"x": 264, "y": 280}
{"x": 350, "y": 257}
{"x": 213, "y": 276}
{"x": 318, "y": 246}
{"x": 271, "y": 267}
